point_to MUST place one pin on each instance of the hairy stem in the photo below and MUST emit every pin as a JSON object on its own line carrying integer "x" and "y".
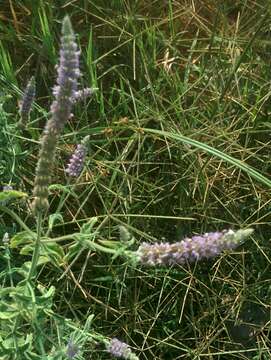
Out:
{"x": 36, "y": 253}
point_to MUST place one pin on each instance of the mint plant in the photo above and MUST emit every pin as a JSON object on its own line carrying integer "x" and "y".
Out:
{"x": 27, "y": 309}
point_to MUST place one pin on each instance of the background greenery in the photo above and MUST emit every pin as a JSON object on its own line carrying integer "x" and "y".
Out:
{"x": 198, "y": 73}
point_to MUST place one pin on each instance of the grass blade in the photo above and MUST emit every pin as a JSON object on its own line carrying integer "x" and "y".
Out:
{"x": 209, "y": 149}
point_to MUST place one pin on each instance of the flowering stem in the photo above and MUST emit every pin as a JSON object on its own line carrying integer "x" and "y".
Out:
{"x": 91, "y": 244}
{"x": 64, "y": 196}
{"x": 36, "y": 253}
{"x": 68, "y": 73}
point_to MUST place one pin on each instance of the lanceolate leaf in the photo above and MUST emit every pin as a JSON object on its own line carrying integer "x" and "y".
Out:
{"x": 10, "y": 195}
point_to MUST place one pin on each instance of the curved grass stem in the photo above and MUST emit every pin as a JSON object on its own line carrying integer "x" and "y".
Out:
{"x": 211, "y": 150}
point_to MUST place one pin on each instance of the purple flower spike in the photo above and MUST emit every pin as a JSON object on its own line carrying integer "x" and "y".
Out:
{"x": 76, "y": 163}
{"x": 64, "y": 91}
{"x": 27, "y": 101}
{"x": 192, "y": 249}
{"x": 68, "y": 73}
{"x": 120, "y": 349}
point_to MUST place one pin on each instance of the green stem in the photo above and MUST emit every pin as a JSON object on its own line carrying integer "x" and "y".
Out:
{"x": 63, "y": 198}
{"x": 14, "y": 335}
{"x": 91, "y": 244}
{"x": 47, "y": 240}
{"x": 16, "y": 218}
{"x": 101, "y": 248}
{"x": 39, "y": 338}
{"x": 36, "y": 252}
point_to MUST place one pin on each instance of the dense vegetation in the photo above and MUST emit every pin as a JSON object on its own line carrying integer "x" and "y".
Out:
{"x": 179, "y": 144}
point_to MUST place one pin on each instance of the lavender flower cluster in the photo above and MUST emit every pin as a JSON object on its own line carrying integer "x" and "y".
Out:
{"x": 68, "y": 74}
{"x": 83, "y": 94}
{"x": 76, "y": 162}
{"x": 72, "y": 349}
{"x": 120, "y": 349}
{"x": 191, "y": 249}
{"x": 27, "y": 101}
{"x": 7, "y": 188}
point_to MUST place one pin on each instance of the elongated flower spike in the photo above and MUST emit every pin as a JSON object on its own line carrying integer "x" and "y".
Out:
{"x": 191, "y": 249}
{"x": 76, "y": 163}
{"x": 27, "y": 101}
{"x": 64, "y": 92}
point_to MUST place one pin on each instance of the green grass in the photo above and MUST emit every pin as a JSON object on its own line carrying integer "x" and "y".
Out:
{"x": 180, "y": 144}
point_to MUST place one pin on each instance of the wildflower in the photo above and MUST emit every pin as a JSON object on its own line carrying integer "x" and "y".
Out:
{"x": 72, "y": 349}
{"x": 27, "y": 101}
{"x": 120, "y": 349}
{"x": 7, "y": 188}
{"x": 76, "y": 162}
{"x": 83, "y": 94}
{"x": 191, "y": 249}
{"x": 64, "y": 91}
